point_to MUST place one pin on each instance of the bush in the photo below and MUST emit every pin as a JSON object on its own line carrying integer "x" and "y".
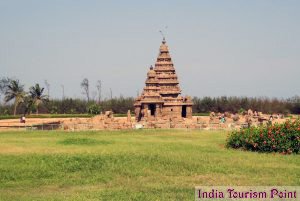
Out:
{"x": 283, "y": 138}
{"x": 94, "y": 109}
{"x": 242, "y": 111}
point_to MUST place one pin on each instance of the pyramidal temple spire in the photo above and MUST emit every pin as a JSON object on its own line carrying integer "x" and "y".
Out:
{"x": 161, "y": 96}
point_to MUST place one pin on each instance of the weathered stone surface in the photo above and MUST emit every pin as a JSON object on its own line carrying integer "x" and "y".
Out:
{"x": 128, "y": 116}
{"x": 236, "y": 117}
{"x": 250, "y": 112}
{"x": 102, "y": 122}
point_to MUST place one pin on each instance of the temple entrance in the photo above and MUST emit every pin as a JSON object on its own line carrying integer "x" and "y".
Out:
{"x": 183, "y": 112}
{"x": 152, "y": 108}
{"x": 139, "y": 116}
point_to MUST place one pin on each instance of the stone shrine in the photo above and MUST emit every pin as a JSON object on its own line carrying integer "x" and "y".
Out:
{"x": 161, "y": 98}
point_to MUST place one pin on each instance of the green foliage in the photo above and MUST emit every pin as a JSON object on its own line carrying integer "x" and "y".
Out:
{"x": 283, "y": 138}
{"x": 94, "y": 109}
{"x": 4, "y": 82}
{"x": 118, "y": 104}
{"x": 37, "y": 97}
{"x": 53, "y": 109}
{"x": 294, "y": 105}
{"x": 241, "y": 111}
{"x": 27, "y": 105}
{"x": 14, "y": 91}
{"x": 6, "y": 111}
{"x": 28, "y": 102}
{"x": 234, "y": 104}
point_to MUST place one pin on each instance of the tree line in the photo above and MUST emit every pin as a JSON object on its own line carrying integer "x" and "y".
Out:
{"x": 118, "y": 105}
{"x": 19, "y": 101}
{"x": 239, "y": 104}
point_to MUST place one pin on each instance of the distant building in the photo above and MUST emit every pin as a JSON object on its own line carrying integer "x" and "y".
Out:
{"x": 161, "y": 95}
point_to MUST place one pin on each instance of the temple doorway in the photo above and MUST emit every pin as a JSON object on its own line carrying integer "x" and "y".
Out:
{"x": 183, "y": 112}
{"x": 152, "y": 108}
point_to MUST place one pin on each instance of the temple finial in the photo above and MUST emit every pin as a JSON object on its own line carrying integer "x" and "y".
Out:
{"x": 164, "y": 38}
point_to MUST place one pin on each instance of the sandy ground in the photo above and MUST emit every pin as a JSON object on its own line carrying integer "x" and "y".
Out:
{"x": 6, "y": 123}
{"x": 13, "y": 124}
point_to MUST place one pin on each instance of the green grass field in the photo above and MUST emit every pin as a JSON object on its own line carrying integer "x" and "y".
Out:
{"x": 130, "y": 165}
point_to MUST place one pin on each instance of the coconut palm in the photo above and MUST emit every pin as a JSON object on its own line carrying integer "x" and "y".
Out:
{"x": 14, "y": 91}
{"x": 37, "y": 96}
{"x": 27, "y": 104}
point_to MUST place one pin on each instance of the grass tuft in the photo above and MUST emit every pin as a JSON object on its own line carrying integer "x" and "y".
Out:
{"x": 83, "y": 141}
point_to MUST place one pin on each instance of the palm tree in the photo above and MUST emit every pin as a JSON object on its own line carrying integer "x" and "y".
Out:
{"x": 36, "y": 94}
{"x": 27, "y": 103}
{"x": 15, "y": 91}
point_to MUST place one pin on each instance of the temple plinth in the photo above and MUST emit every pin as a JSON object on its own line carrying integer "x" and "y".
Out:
{"x": 161, "y": 96}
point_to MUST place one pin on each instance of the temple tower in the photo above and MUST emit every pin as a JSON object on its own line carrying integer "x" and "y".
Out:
{"x": 161, "y": 95}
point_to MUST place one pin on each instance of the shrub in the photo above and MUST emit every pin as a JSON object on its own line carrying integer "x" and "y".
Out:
{"x": 283, "y": 138}
{"x": 242, "y": 111}
{"x": 94, "y": 109}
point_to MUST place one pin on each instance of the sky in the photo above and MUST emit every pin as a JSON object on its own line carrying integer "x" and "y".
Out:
{"x": 219, "y": 47}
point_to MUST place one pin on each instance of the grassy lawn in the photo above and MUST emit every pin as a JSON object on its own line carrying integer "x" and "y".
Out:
{"x": 130, "y": 165}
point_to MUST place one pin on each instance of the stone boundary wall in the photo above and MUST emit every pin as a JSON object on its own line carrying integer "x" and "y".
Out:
{"x": 108, "y": 122}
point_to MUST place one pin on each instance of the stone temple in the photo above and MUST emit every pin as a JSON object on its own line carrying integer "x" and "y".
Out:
{"x": 161, "y": 97}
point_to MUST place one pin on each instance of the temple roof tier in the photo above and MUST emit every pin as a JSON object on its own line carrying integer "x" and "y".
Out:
{"x": 182, "y": 103}
{"x": 151, "y": 82}
{"x": 163, "y": 75}
{"x": 164, "y": 63}
{"x": 169, "y": 81}
{"x": 165, "y": 69}
{"x": 170, "y": 92}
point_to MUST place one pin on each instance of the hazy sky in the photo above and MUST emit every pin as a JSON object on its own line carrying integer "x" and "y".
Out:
{"x": 229, "y": 47}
